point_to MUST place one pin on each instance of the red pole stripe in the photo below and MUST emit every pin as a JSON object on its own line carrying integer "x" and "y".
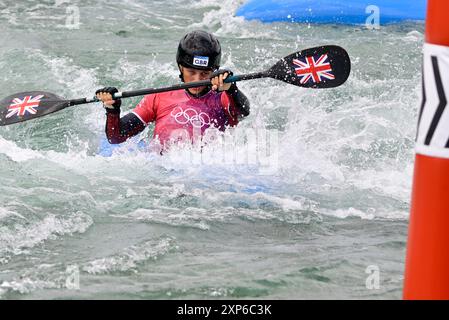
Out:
{"x": 437, "y": 24}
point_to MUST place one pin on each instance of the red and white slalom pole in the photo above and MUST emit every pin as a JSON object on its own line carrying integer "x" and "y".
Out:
{"x": 427, "y": 262}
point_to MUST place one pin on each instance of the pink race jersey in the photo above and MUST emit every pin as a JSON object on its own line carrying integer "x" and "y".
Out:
{"x": 180, "y": 116}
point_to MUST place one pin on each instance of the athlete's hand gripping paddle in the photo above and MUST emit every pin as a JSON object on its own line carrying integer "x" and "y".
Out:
{"x": 318, "y": 68}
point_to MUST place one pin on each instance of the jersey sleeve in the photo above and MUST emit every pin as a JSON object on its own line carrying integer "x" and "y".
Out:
{"x": 230, "y": 109}
{"x": 146, "y": 109}
{"x": 119, "y": 130}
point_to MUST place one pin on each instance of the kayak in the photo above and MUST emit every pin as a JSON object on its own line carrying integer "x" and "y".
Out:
{"x": 208, "y": 174}
{"x": 354, "y": 12}
{"x": 106, "y": 149}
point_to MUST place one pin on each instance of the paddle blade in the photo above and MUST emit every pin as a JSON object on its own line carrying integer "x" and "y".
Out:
{"x": 29, "y": 105}
{"x": 320, "y": 68}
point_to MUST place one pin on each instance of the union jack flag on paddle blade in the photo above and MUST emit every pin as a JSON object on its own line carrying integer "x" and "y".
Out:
{"x": 19, "y": 107}
{"x": 313, "y": 70}
{"x": 319, "y": 68}
{"x": 29, "y": 105}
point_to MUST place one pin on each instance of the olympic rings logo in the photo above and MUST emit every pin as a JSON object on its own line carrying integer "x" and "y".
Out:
{"x": 197, "y": 120}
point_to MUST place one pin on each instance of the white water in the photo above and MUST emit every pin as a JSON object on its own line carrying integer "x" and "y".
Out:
{"x": 143, "y": 226}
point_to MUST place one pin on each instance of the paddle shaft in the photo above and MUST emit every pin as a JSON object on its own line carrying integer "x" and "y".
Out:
{"x": 135, "y": 93}
{"x": 316, "y": 68}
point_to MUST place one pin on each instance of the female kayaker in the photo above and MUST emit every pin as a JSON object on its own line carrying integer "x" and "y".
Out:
{"x": 182, "y": 114}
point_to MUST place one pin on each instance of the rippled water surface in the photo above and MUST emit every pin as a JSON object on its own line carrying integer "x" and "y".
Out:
{"x": 140, "y": 226}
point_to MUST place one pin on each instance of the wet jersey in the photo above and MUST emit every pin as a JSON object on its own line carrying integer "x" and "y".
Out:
{"x": 180, "y": 116}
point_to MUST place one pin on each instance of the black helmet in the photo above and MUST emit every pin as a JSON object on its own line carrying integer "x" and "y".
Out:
{"x": 199, "y": 50}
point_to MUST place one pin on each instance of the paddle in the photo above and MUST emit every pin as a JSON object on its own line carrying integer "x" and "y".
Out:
{"x": 319, "y": 68}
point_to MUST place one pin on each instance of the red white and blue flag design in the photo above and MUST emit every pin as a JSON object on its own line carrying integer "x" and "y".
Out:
{"x": 20, "y": 107}
{"x": 309, "y": 69}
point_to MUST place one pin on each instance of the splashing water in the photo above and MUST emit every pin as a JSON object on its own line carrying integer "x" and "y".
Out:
{"x": 142, "y": 226}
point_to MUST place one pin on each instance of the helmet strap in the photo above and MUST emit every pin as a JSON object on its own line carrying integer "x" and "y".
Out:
{"x": 180, "y": 73}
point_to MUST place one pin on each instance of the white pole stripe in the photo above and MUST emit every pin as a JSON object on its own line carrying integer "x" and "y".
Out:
{"x": 434, "y": 124}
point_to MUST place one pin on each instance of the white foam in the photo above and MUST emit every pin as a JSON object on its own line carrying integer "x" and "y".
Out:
{"x": 391, "y": 183}
{"x": 25, "y": 285}
{"x": 370, "y": 214}
{"x": 226, "y": 23}
{"x": 17, "y": 238}
{"x": 17, "y": 154}
{"x": 414, "y": 36}
{"x": 76, "y": 80}
{"x": 131, "y": 257}
{"x": 4, "y": 213}
{"x": 190, "y": 217}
